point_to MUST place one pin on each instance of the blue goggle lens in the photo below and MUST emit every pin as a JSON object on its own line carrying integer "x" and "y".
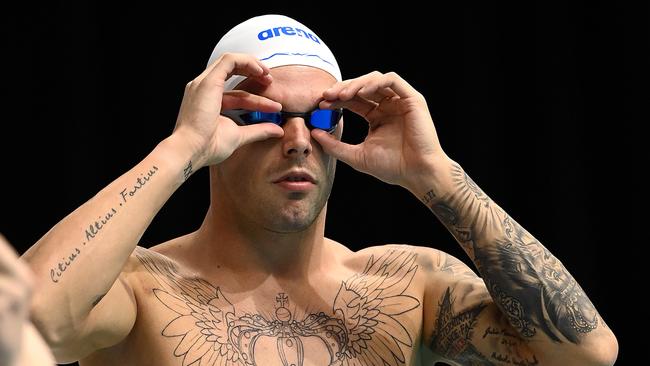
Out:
{"x": 259, "y": 117}
{"x": 324, "y": 119}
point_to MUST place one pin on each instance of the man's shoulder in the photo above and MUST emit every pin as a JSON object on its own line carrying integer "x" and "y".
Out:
{"x": 426, "y": 258}
{"x": 145, "y": 258}
{"x": 167, "y": 252}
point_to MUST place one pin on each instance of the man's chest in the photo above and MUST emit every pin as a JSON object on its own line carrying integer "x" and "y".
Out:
{"x": 371, "y": 317}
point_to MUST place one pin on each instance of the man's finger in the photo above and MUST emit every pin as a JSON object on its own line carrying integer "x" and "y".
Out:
{"x": 340, "y": 150}
{"x": 239, "y": 99}
{"x": 388, "y": 85}
{"x": 376, "y": 93}
{"x": 400, "y": 86}
{"x": 259, "y": 132}
{"x": 237, "y": 64}
{"x": 357, "y": 105}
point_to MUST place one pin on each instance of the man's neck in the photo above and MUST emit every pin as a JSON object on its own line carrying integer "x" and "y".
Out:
{"x": 245, "y": 247}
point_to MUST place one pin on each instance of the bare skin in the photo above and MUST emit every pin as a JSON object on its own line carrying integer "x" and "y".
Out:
{"x": 259, "y": 284}
{"x": 298, "y": 269}
{"x": 311, "y": 304}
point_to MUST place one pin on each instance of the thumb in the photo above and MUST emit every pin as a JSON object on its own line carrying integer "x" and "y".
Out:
{"x": 259, "y": 132}
{"x": 340, "y": 150}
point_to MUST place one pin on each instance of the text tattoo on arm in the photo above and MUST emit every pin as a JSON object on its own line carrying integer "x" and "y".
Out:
{"x": 96, "y": 227}
{"x": 453, "y": 332}
{"x": 530, "y": 286}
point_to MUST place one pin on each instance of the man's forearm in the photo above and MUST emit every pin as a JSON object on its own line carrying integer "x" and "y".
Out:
{"x": 78, "y": 260}
{"x": 530, "y": 286}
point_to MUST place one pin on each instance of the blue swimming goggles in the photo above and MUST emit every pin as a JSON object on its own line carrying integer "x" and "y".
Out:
{"x": 324, "y": 119}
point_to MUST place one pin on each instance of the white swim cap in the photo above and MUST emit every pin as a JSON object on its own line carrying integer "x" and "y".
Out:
{"x": 276, "y": 40}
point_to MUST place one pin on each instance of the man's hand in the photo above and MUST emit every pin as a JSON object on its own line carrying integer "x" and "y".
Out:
{"x": 15, "y": 294}
{"x": 215, "y": 137}
{"x": 20, "y": 343}
{"x": 402, "y": 142}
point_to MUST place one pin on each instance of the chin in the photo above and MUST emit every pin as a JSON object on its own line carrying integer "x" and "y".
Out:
{"x": 292, "y": 214}
{"x": 293, "y": 219}
{"x": 292, "y": 223}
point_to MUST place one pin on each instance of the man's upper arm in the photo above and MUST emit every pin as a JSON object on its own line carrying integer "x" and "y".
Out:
{"x": 462, "y": 323}
{"x": 108, "y": 323}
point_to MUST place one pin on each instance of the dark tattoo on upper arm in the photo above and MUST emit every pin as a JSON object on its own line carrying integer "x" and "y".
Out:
{"x": 530, "y": 286}
{"x": 96, "y": 227}
{"x": 362, "y": 328}
{"x": 453, "y": 332}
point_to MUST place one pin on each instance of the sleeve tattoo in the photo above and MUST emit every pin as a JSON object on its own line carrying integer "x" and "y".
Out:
{"x": 529, "y": 285}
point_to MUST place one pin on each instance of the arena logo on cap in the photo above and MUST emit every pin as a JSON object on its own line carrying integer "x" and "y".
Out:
{"x": 289, "y": 31}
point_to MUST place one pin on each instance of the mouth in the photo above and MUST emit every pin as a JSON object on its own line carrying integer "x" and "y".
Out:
{"x": 296, "y": 181}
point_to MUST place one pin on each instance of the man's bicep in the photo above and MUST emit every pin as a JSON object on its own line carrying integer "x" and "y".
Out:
{"x": 463, "y": 324}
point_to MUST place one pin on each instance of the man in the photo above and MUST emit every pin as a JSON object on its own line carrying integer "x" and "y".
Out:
{"x": 20, "y": 342}
{"x": 258, "y": 283}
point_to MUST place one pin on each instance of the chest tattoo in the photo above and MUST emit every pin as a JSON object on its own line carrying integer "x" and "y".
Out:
{"x": 363, "y": 327}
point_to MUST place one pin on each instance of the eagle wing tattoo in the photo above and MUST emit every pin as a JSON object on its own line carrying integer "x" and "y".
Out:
{"x": 363, "y": 328}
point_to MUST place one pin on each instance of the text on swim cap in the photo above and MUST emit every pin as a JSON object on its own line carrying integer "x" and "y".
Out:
{"x": 289, "y": 31}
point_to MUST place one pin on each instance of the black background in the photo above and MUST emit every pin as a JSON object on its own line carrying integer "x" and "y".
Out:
{"x": 540, "y": 104}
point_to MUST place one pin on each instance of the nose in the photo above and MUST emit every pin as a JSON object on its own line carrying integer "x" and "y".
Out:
{"x": 297, "y": 138}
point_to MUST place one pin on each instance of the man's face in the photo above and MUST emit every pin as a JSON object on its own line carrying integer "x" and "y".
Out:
{"x": 248, "y": 180}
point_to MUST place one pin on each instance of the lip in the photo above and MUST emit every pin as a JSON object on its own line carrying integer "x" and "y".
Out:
{"x": 296, "y": 186}
{"x": 297, "y": 174}
{"x": 307, "y": 183}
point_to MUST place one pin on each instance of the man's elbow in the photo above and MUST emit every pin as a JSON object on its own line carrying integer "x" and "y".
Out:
{"x": 62, "y": 339}
{"x": 56, "y": 327}
{"x": 610, "y": 353}
{"x": 594, "y": 350}
{"x": 54, "y": 334}
{"x": 603, "y": 352}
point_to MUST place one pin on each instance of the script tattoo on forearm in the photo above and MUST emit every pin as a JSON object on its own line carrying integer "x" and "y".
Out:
{"x": 530, "y": 286}
{"x": 97, "y": 226}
